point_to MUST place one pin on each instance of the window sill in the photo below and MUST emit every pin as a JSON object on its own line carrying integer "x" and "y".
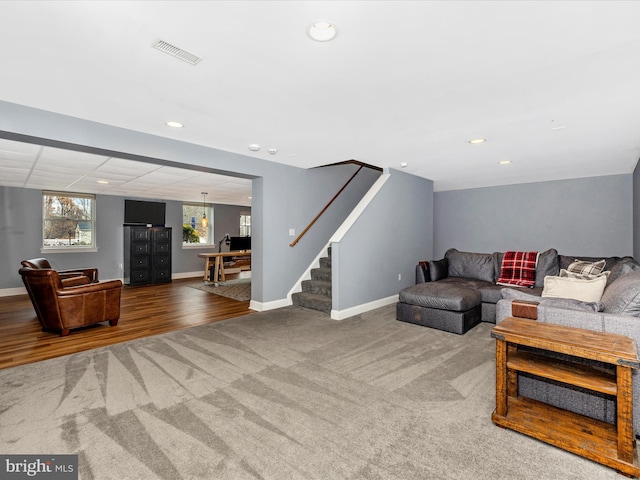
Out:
{"x": 193, "y": 246}
{"x": 69, "y": 250}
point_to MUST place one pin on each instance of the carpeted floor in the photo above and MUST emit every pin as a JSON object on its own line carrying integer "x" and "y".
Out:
{"x": 237, "y": 289}
{"x": 285, "y": 394}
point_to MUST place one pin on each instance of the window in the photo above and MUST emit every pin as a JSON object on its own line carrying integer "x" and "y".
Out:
{"x": 192, "y": 230}
{"x": 68, "y": 220}
{"x": 245, "y": 225}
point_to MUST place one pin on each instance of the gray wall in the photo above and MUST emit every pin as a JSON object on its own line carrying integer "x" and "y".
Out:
{"x": 388, "y": 239}
{"x": 284, "y": 197}
{"x": 585, "y": 216}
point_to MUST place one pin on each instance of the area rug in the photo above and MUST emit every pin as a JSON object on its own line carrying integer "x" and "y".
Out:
{"x": 238, "y": 289}
{"x": 284, "y": 394}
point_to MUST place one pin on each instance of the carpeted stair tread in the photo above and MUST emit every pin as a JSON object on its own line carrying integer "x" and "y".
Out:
{"x": 320, "y": 287}
{"x": 321, "y": 274}
{"x": 312, "y": 300}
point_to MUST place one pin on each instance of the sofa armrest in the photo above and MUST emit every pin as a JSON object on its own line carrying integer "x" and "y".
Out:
{"x": 422, "y": 272}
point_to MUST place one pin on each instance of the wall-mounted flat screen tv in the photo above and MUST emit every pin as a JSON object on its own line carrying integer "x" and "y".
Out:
{"x": 240, "y": 243}
{"x": 138, "y": 212}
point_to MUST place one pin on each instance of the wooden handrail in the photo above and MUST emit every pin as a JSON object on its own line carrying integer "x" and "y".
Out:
{"x": 293, "y": 244}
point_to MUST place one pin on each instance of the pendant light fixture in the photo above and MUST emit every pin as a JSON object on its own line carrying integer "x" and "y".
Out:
{"x": 204, "y": 220}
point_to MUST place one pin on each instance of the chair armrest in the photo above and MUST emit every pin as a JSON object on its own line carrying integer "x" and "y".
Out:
{"x": 89, "y": 288}
{"x": 75, "y": 280}
{"x": 91, "y": 273}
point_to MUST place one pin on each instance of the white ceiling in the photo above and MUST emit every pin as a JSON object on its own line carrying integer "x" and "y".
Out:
{"x": 552, "y": 85}
{"x": 33, "y": 166}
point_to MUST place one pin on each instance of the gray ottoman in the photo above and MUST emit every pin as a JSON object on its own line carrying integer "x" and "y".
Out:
{"x": 440, "y": 305}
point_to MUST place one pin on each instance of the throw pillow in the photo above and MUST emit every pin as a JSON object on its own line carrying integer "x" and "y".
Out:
{"x": 547, "y": 265}
{"x": 570, "y": 303}
{"x": 586, "y": 268}
{"x": 623, "y": 295}
{"x": 438, "y": 269}
{"x": 477, "y": 266}
{"x": 566, "y": 273}
{"x": 586, "y": 290}
{"x": 518, "y": 268}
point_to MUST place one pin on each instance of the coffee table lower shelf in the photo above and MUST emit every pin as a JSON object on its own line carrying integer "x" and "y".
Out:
{"x": 584, "y": 436}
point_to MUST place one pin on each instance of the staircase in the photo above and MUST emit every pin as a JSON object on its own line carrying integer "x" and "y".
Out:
{"x": 316, "y": 293}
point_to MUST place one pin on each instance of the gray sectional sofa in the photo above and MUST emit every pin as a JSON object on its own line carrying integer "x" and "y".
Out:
{"x": 459, "y": 291}
{"x": 618, "y": 311}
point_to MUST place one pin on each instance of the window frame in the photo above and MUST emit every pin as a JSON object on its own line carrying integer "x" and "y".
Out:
{"x": 245, "y": 227}
{"x": 208, "y": 209}
{"x": 93, "y": 247}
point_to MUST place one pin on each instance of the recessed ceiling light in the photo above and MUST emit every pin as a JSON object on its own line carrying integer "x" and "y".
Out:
{"x": 322, "y": 31}
{"x": 174, "y": 124}
{"x": 272, "y": 151}
{"x": 103, "y": 182}
{"x": 404, "y": 164}
{"x": 477, "y": 140}
{"x": 504, "y": 162}
{"x": 254, "y": 147}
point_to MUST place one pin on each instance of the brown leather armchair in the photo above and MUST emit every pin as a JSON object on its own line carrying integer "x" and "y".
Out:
{"x": 61, "y": 307}
{"x": 70, "y": 278}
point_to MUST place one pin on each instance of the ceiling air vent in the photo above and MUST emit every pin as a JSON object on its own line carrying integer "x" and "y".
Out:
{"x": 177, "y": 52}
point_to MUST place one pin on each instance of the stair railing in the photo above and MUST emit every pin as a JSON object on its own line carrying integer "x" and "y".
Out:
{"x": 293, "y": 244}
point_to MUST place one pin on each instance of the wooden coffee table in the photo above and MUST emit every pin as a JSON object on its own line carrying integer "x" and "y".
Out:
{"x": 602, "y": 442}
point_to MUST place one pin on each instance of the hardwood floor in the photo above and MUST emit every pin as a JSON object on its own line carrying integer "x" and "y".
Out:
{"x": 146, "y": 310}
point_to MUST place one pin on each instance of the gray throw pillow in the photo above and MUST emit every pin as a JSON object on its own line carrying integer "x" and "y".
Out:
{"x": 623, "y": 295}
{"x": 568, "y": 303}
{"x": 477, "y": 266}
{"x": 438, "y": 269}
{"x": 547, "y": 265}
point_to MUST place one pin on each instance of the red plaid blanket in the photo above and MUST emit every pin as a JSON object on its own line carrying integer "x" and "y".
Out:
{"x": 518, "y": 268}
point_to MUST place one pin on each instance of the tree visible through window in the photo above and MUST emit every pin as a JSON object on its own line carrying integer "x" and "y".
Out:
{"x": 192, "y": 229}
{"x": 68, "y": 220}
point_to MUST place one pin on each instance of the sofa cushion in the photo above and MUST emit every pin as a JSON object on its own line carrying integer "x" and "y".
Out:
{"x": 586, "y": 290}
{"x": 547, "y": 265}
{"x": 441, "y": 295}
{"x": 471, "y": 265}
{"x": 623, "y": 295}
{"x": 570, "y": 303}
{"x": 622, "y": 267}
{"x": 438, "y": 269}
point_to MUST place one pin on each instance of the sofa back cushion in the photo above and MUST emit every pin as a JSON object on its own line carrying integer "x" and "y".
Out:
{"x": 479, "y": 266}
{"x": 622, "y": 267}
{"x": 438, "y": 269}
{"x": 547, "y": 265}
{"x": 623, "y": 295}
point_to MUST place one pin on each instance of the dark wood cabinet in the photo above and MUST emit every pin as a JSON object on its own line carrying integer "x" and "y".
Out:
{"x": 147, "y": 255}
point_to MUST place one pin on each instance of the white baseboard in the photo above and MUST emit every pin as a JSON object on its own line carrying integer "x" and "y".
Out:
{"x": 365, "y": 307}
{"x": 10, "y": 292}
{"x": 177, "y": 276}
{"x": 264, "y": 306}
